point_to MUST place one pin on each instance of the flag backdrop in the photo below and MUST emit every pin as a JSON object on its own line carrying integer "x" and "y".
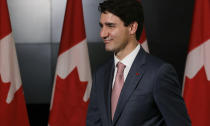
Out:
{"x": 72, "y": 83}
{"x": 197, "y": 72}
{"x": 12, "y": 103}
{"x": 143, "y": 41}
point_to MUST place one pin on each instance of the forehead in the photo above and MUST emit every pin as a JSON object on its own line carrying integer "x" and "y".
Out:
{"x": 110, "y": 18}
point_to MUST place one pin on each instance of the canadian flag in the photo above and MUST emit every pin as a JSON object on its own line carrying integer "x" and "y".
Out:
{"x": 12, "y": 103}
{"x": 143, "y": 41}
{"x": 197, "y": 72}
{"x": 73, "y": 81}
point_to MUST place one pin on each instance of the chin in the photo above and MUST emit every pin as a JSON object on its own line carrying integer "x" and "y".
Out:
{"x": 109, "y": 49}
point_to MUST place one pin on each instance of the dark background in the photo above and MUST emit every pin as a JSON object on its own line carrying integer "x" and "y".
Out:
{"x": 167, "y": 24}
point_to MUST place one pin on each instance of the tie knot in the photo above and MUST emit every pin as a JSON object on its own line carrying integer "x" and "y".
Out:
{"x": 120, "y": 66}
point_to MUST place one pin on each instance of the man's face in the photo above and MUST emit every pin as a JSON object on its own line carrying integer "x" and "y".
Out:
{"x": 113, "y": 32}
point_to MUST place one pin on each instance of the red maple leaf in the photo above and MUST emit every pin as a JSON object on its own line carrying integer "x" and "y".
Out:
{"x": 14, "y": 113}
{"x": 197, "y": 98}
{"x": 68, "y": 108}
{"x": 143, "y": 36}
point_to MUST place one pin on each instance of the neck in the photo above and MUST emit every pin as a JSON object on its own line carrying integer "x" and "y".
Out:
{"x": 127, "y": 49}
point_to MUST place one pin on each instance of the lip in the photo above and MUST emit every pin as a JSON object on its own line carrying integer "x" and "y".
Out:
{"x": 107, "y": 41}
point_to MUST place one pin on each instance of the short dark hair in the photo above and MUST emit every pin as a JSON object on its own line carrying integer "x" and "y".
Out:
{"x": 128, "y": 11}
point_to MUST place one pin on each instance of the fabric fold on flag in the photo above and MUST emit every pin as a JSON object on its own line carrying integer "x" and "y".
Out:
{"x": 72, "y": 82}
{"x": 196, "y": 85}
{"x": 12, "y": 103}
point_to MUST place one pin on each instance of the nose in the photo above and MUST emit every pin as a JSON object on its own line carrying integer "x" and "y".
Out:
{"x": 103, "y": 33}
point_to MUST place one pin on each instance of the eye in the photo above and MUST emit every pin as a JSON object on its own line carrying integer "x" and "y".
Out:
{"x": 100, "y": 25}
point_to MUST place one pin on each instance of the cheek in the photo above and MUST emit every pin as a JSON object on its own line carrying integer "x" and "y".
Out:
{"x": 119, "y": 34}
{"x": 113, "y": 32}
{"x": 116, "y": 34}
{"x": 123, "y": 34}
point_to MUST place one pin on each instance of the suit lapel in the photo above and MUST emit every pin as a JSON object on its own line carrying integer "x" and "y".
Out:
{"x": 131, "y": 82}
{"x": 108, "y": 77}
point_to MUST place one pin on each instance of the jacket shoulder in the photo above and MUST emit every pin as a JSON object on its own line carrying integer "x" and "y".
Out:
{"x": 106, "y": 65}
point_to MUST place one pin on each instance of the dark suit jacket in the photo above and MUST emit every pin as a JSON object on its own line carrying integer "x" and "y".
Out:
{"x": 151, "y": 96}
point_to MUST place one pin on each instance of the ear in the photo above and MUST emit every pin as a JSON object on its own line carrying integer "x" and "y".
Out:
{"x": 133, "y": 27}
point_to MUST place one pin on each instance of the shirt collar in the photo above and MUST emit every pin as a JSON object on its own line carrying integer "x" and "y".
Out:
{"x": 128, "y": 60}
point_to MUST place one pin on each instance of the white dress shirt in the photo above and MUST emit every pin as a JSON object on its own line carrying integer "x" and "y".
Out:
{"x": 127, "y": 61}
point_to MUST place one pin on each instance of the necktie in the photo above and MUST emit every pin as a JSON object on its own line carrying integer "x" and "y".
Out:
{"x": 118, "y": 84}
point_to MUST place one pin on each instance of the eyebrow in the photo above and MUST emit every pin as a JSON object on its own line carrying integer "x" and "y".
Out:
{"x": 110, "y": 24}
{"x": 107, "y": 24}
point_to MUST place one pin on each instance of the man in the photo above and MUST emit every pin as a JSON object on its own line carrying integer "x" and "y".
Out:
{"x": 133, "y": 88}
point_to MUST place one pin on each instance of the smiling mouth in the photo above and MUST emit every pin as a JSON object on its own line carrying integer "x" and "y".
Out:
{"x": 107, "y": 41}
